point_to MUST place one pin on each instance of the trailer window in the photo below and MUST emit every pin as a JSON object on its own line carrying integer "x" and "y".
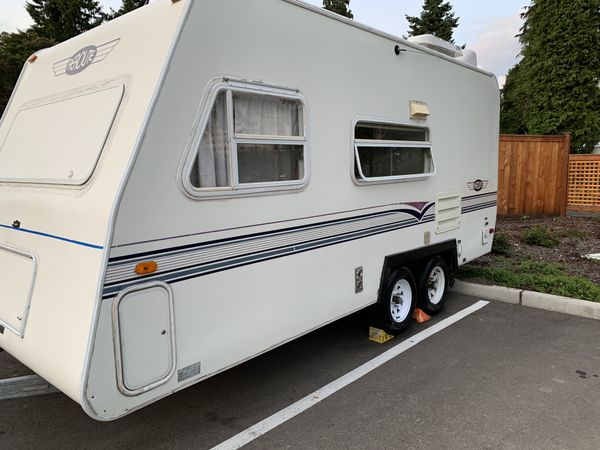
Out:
{"x": 388, "y": 152}
{"x": 210, "y": 168}
{"x": 59, "y": 141}
{"x": 252, "y": 141}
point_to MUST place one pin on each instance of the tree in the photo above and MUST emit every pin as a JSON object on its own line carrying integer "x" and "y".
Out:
{"x": 436, "y": 18}
{"x": 15, "y": 48}
{"x": 60, "y": 20}
{"x": 126, "y": 6}
{"x": 341, "y": 7}
{"x": 513, "y": 104}
{"x": 558, "y": 77}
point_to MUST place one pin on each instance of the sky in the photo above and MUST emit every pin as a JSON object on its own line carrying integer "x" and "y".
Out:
{"x": 486, "y": 26}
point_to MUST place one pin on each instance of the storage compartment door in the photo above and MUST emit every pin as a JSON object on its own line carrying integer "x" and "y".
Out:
{"x": 17, "y": 274}
{"x": 144, "y": 338}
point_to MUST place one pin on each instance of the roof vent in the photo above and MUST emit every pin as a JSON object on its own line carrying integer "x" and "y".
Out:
{"x": 446, "y": 48}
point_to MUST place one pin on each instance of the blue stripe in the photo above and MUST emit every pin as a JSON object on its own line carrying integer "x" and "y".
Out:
{"x": 59, "y": 238}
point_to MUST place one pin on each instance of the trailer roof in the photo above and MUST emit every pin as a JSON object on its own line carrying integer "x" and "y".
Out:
{"x": 385, "y": 35}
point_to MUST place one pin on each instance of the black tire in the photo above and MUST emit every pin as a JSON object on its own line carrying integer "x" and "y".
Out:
{"x": 390, "y": 315}
{"x": 431, "y": 301}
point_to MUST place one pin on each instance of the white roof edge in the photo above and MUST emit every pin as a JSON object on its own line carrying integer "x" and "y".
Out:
{"x": 385, "y": 35}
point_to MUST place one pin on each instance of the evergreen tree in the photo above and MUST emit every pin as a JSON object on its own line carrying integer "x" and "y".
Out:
{"x": 60, "y": 20}
{"x": 15, "y": 48}
{"x": 558, "y": 77}
{"x": 436, "y": 18}
{"x": 341, "y": 7}
{"x": 126, "y": 6}
{"x": 513, "y": 104}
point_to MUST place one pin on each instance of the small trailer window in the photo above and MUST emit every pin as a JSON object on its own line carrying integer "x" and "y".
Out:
{"x": 59, "y": 141}
{"x": 252, "y": 141}
{"x": 388, "y": 152}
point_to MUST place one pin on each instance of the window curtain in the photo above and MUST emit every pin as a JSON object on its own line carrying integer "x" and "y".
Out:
{"x": 211, "y": 163}
{"x": 267, "y": 115}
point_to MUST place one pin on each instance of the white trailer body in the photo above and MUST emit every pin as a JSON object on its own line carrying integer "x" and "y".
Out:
{"x": 197, "y": 182}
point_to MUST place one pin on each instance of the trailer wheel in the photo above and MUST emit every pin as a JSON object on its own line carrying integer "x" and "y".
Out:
{"x": 433, "y": 285}
{"x": 396, "y": 307}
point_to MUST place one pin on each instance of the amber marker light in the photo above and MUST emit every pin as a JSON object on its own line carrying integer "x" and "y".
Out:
{"x": 32, "y": 58}
{"x": 146, "y": 267}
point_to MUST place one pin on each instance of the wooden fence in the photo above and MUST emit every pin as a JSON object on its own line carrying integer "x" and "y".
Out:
{"x": 584, "y": 183}
{"x": 532, "y": 178}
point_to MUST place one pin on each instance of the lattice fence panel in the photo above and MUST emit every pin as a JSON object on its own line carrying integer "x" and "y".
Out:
{"x": 584, "y": 183}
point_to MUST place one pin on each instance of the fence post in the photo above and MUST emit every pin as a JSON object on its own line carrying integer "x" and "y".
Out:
{"x": 565, "y": 175}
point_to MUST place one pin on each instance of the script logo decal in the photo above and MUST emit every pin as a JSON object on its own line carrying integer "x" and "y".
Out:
{"x": 84, "y": 58}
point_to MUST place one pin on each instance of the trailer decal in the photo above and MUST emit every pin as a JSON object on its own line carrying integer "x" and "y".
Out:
{"x": 479, "y": 201}
{"x": 84, "y": 58}
{"x": 473, "y": 197}
{"x": 478, "y": 185}
{"x": 416, "y": 213}
{"x": 211, "y": 258}
{"x": 195, "y": 260}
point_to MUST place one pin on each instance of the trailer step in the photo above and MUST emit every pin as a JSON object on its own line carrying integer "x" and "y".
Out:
{"x": 27, "y": 386}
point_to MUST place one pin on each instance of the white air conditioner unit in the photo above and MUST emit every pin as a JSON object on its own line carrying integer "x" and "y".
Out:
{"x": 447, "y": 48}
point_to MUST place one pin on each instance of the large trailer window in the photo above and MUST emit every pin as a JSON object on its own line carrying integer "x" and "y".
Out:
{"x": 253, "y": 140}
{"x": 59, "y": 141}
{"x": 387, "y": 152}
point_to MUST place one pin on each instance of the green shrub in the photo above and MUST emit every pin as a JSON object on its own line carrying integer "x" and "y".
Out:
{"x": 542, "y": 236}
{"x": 501, "y": 245}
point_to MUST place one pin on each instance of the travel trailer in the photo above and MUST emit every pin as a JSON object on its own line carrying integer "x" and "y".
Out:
{"x": 199, "y": 181}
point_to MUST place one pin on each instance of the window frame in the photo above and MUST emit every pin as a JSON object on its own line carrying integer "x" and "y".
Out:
{"x": 235, "y": 188}
{"x": 363, "y": 180}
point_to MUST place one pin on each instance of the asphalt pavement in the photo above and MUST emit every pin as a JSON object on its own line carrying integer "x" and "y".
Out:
{"x": 503, "y": 377}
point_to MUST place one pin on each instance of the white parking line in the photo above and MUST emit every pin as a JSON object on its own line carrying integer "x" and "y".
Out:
{"x": 255, "y": 431}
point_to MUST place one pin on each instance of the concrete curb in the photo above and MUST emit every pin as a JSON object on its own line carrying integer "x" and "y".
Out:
{"x": 566, "y": 305}
{"x": 497, "y": 293}
{"x": 530, "y": 299}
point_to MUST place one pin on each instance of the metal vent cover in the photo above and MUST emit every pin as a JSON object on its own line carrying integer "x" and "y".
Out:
{"x": 447, "y": 211}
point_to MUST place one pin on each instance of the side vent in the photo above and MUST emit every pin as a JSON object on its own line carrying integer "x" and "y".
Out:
{"x": 447, "y": 211}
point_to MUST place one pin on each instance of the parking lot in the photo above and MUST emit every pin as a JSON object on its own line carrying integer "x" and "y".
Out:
{"x": 502, "y": 377}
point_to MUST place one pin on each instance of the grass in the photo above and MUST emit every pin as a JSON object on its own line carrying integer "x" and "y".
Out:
{"x": 542, "y": 236}
{"x": 572, "y": 234}
{"x": 534, "y": 276}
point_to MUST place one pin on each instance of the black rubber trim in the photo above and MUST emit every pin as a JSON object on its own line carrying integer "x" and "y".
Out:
{"x": 446, "y": 250}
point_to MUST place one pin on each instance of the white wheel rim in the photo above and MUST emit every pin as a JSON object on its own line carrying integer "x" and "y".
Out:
{"x": 401, "y": 300}
{"x": 436, "y": 284}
